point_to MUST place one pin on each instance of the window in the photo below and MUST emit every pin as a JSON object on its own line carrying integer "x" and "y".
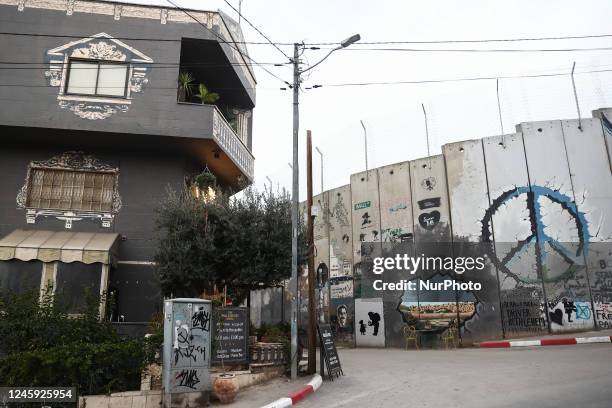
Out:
{"x": 71, "y": 190}
{"x": 102, "y": 78}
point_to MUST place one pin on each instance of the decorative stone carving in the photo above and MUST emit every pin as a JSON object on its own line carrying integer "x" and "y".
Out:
{"x": 93, "y": 111}
{"x": 76, "y": 161}
{"x": 117, "y": 11}
{"x": 69, "y": 7}
{"x": 98, "y": 47}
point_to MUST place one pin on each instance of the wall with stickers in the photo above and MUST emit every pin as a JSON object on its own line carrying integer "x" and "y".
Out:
{"x": 539, "y": 200}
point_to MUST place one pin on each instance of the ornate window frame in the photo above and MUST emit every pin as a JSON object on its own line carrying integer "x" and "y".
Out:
{"x": 73, "y": 161}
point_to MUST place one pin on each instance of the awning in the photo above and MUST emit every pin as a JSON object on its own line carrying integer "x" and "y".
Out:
{"x": 64, "y": 246}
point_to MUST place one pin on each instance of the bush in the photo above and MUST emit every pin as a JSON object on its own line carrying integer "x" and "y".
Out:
{"x": 43, "y": 346}
{"x": 92, "y": 368}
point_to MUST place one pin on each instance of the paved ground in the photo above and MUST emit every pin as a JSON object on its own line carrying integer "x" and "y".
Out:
{"x": 559, "y": 376}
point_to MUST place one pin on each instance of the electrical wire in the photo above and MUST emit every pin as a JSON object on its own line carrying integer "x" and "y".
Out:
{"x": 226, "y": 42}
{"x": 478, "y": 50}
{"x": 429, "y": 81}
{"x": 258, "y": 30}
{"x": 489, "y": 40}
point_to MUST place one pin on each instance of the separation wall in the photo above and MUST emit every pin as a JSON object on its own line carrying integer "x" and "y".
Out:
{"x": 539, "y": 199}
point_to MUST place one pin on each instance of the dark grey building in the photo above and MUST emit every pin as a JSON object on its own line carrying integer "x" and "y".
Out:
{"x": 94, "y": 130}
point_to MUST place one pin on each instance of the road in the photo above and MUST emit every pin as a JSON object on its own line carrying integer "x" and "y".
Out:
{"x": 559, "y": 376}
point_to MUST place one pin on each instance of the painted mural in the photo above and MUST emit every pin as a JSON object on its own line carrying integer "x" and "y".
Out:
{"x": 536, "y": 202}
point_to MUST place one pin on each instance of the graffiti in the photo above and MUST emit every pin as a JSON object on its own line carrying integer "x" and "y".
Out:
{"x": 340, "y": 212}
{"x": 583, "y": 312}
{"x": 374, "y": 322}
{"x": 366, "y": 221}
{"x": 362, "y": 328}
{"x": 603, "y": 313}
{"x": 429, "y": 183}
{"x": 342, "y": 289}
{"x": 362, "y": 205}
{"x": 523, "y": 315}
{"x": 398, "y": 207}
{"x": 201, "y": 320}
{"x": 429, "y": 220}
{"x": 188, "y": 378}
{"x": 429, "y": 203}
{"x": 346, "y": 238}
{"x": 396, "y": 235}
{"x": 538, "y": 238}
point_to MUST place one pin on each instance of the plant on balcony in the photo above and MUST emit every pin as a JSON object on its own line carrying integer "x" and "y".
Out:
{"x": 206, "y": 96}
{"x": 185, "y": 86}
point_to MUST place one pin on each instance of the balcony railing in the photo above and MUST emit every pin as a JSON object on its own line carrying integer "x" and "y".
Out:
{"x": 228, "y": 140}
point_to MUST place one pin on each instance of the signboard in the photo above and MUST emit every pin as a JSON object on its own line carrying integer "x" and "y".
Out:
{"x": 362, "y": 205}
{"x": 231, "y": 338}
{"x": 328, "y": 351}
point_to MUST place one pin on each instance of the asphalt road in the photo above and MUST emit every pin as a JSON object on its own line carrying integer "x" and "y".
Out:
{"x": 559, "y": 376}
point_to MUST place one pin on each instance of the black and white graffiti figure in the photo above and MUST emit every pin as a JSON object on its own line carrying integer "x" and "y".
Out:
{"x": 345, "y": 238}
{"x": 429, "y": 183}
{"x": 188, "y": 378}
{"x": 374, "y": 321}
{"x": 342, "y": 313}
{"x": 340, "y": 212}
{"x": 569, "y": 307}
{"x": 375, "y": 234}
{"x": 201, "y": 320}
{"x": 362, "y": 328}
{"x": 361, "y": 237}
{"x": 366, "y": 219}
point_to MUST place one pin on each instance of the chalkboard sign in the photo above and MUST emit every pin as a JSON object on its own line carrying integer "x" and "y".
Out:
{"x": 231, "y": 335}
{"x": 328, "y": 350}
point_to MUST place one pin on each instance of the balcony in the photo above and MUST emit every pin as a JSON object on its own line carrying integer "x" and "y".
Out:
{"x": 215, "y": 142}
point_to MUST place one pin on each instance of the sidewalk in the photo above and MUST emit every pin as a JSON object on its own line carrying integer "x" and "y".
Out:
{"x": 263, "y": 394}
{"x": 571, "y": 338}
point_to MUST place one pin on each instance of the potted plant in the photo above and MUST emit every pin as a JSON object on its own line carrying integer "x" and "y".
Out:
{"x": 205, "y": 180}
{"x": 185, "y": 86}
{"x": 206, "y": 96}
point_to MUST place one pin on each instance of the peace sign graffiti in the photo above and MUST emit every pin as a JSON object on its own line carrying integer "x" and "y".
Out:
{"x": 538, "y": 237}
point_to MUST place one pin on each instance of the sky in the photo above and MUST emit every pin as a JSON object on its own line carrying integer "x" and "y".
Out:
{"x": 392, "y": 113}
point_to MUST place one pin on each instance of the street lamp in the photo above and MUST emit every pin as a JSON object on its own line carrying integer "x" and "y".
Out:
{"x": 365, "y": 137}
{"x": 295, "y": 199}
{"x": 319, "y": 151}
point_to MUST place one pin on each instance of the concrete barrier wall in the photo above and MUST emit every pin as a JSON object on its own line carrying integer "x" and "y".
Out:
{"x": 546, "y": 188}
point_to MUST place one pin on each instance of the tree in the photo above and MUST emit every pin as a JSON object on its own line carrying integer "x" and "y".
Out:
{"x": 243, "y": 242}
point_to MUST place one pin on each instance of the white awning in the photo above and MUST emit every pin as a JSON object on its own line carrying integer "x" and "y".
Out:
{"x": 64, "y": 246}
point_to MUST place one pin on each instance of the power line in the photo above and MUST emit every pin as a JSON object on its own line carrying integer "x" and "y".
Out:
{"x": 152, "y": 39}
{"x": 87, "y": 36}
{"x": 258, "y": 30}
{"x": 574, "y": 37}
{"x": 429, "y": 81}
{"x": 28, "y": 64}
{"x": 481, "y": 50}
{"x": 226, "y": 42}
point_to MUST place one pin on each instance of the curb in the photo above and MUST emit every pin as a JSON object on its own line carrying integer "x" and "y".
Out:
{"x": 546, "y": 342}
{"x": 296, "y": 396}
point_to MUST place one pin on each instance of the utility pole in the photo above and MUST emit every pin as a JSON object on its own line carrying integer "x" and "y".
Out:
{"x": 312, "y": 338}
{"x": 295, "y": 191}
{"x": 294, "y": 214}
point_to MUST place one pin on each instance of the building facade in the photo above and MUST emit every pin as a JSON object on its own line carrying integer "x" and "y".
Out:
{"x": 95, "y": 130}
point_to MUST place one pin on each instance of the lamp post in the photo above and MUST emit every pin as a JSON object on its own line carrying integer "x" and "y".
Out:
{"x": 365, "y": 138}
{"x": 321, "y": 154}
{"x": 297, "y": 72}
